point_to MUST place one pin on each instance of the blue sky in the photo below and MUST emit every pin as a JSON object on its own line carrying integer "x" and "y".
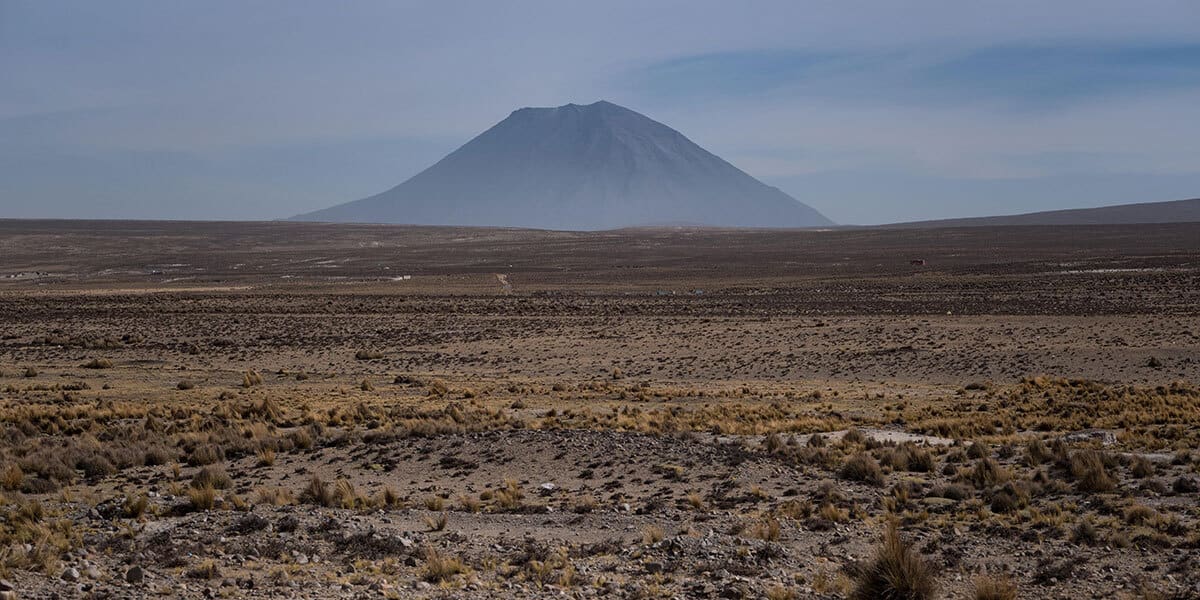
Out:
{"x": 869, "y": 111}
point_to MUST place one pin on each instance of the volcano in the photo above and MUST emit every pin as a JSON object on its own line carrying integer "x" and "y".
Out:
{"x": 579, "y": 167}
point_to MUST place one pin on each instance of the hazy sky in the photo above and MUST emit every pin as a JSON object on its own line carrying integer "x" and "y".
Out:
{"x": 868, "y": 111}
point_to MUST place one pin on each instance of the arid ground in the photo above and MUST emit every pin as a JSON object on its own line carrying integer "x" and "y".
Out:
{"x": 319, "y": 411}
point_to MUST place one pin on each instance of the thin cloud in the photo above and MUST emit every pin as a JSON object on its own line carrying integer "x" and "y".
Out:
{"x": 1019, "y": 76}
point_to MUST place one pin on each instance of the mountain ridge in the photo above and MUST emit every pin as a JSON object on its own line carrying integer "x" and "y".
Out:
{"x": 1140, "y": 213}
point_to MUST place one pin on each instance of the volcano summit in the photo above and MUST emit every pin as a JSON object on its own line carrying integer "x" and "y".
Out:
{"x": 599, "y": 166}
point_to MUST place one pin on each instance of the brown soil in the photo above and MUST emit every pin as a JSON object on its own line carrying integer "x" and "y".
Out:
{"x": 626, "y": 414}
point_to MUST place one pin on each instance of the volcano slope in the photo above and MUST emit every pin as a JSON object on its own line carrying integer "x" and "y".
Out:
{"x": 289, "y": 409}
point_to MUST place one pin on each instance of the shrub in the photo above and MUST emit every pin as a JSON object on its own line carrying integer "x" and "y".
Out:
{"x": 895, "y": 572}
{"x": 1141, "y": 468}
{"x": 1036, "y": 452}
{"x": 1087, "y": 467}
{"x": 205, "y": 570}
{"x": 909, "y": 457}
{"x": 368, "y": 355}
{"x": 1185, "y": 485}
{"x": 95, "y": 466}
{"x": 1140, "y": 514}
{"x": 301, "y": 439}
{"x": 206, "y": 454}
{"x": 1085, "y": 533}
{"x": 213, "y": 477}
{"x": 862, "y": 467}
{"x": 1009, "y": 498}
{"x": 988, "y": 473}
{"x": 951, "y": 491}
{"x": 158, "y": 455}
{"x": 853, "y": 436}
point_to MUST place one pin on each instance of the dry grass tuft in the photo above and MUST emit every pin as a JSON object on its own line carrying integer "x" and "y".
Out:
{"x": 509, "y": 496}
{"x": 652, "y": 534}
{"x": 251, "y": 378}
{"x": 1087, "y": 467}
{"x": 318, "y": 493}
{"x": 12, "y": 477}
{"x": 135, "y": 505}
{"x": 202, "y": 498}
{"x": 439, "y": 567}
{"x": 896, "y": 572}
{"x": 275, "y": 496}
{"x": 991, "y": 587}
{"x": 437, "y": 523}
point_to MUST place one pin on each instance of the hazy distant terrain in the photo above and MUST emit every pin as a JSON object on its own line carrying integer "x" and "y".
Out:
{"x": 1175, "y": 211}
{"x": 573, "y": 167}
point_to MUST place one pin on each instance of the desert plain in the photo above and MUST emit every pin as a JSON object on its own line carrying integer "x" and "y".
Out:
{"x": 275, "y": 410}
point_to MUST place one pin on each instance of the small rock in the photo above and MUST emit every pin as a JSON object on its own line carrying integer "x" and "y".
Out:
{"x": 70, "y": 574}
{"x": 135, "y": 574}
